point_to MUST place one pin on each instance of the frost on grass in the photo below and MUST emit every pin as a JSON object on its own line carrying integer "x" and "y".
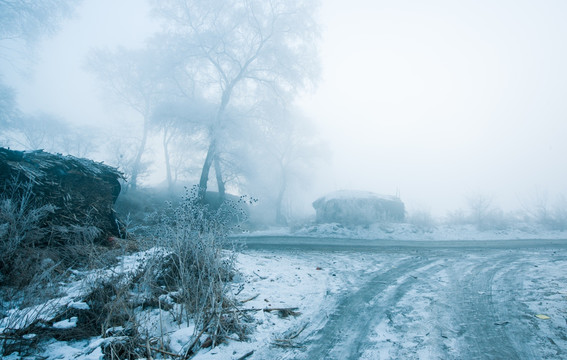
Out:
{"x": 171, "y": 298}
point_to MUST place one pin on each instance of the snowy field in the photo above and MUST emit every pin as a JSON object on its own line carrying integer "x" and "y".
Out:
{"x": 265, "y": 281}
{"x": 383, "y": 304}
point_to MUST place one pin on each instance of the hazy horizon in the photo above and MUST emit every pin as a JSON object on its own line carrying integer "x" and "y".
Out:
{"x": 433, "y": 101}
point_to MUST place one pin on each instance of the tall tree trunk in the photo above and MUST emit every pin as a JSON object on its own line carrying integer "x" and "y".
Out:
{"x": 138, "y": 160}
{"x": 205, "y": 171}
{"x": 220, "y": 182}
{"x": 211, "y": 152}
{"x": 280, "y": 218}
{"x": 167, "y": 161}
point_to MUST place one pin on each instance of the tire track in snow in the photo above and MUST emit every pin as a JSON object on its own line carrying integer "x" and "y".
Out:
{"x": 482, "y": 331}
{"x": 532, "y": 337}
{"x": 346, "y": 332}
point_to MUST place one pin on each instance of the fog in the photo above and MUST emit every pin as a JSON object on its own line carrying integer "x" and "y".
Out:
{"x": 433, "y": 101}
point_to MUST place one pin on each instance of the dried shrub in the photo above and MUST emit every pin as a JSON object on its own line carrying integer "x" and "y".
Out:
{"x": 30, "y": 242}
{"x": 200, "y": 262}
{"x": 21, "y": 229}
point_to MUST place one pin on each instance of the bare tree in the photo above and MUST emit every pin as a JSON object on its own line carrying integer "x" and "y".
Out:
{"x": 295, "y": 151}
{"x": 485, "y": 215}
{"x": 42, "y": 131}
{"x": 238, "y": 49}
{"x": 180, "y": 120}
{"x": 479, "y": 206}
{"x": 9, "y": 112}
{"x": 29, "y": 20}
{"x": 133, "y": 79}
{"x": 538, "y": 207}
{"x": 53, "y": 134}
{"x": 25, "y": 21}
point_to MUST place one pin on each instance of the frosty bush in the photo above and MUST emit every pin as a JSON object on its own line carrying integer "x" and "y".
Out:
{"x": 559, "y": 214}
{"x": 456, "y": 217}
{"x": 484, "y": 215}
{"x": 200, "y": 262}
{"x": 546, "y": 211}
{"x": 29, "y": 240}
{"x": 21, "y": 221}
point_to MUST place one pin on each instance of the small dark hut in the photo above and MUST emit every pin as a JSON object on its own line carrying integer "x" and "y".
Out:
{"x": 354, "y": 208}
{"x": 82, "y": 191}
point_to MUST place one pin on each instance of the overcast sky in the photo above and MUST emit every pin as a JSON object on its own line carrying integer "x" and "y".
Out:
{"x": 436, "y": 100}
{"x": 443, "y": 99}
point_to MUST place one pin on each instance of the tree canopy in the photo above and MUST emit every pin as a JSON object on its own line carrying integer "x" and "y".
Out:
{"x": 28, "y": 20}
{"x": 235, "y": 53}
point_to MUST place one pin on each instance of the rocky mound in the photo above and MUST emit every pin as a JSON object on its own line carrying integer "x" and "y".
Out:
{"x": 355, "y": 208}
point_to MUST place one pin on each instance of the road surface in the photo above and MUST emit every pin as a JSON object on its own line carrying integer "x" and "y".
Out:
{"x": 440, "y": 300}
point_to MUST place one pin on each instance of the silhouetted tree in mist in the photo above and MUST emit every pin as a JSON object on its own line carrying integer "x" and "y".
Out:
{"x": 480, "y": 207}
{"x": 292, "y": 151}
{"x": 53, "y": 134}
{"x": 181, "y": 121}
{"x": 131, "y": 78}
{"x": 236, "y": 52}
{"x": 9, "y": 112}
{"x": 30, "y": 20}
{"x": 41, "y": 132}
{"x": 22, "y": 24}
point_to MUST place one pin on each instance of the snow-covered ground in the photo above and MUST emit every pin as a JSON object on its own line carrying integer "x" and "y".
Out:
{"x": 402, "y": 231}
{"x": 313, "y": 282}
{"x": 266, "y": 280}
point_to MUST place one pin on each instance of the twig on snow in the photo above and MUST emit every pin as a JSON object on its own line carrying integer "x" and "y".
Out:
{"x": 250, "y": 299}
{"x": 246, "y": 355}
{"x": 261, "y": 277}
{"x": 166, "y": 352}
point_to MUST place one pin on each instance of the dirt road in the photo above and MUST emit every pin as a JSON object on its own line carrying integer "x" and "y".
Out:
{"x": 477, "y": 301}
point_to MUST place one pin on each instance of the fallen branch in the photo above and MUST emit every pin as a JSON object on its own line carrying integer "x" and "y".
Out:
{"x": 189, "y": 351}
{"x": 296, "y": 334}
{"x": 286, "y": 343}
{"x": 290, "y": 309}
{"x": 261, "y": 277}
{"x": 165, "y": 352}
{"x": 246, "y": 355}
{"x": 284, "y": 312}
{"x": 240, "y": 288}
{"x": 149, "y": 349}
{"x": 250, "y": 299}
{"x": 287, "y": 340}
{"x": 280, "y": 309}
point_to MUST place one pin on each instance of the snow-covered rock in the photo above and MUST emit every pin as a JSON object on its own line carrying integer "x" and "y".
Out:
{"x": 351, "y": 208}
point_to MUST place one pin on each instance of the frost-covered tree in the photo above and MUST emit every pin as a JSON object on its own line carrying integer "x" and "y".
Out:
{"x": 25, "y": 21}
{"x": 291, "y": 152}
{"x": 53, "y": 134}
{"x": 180, "y": 121}
{"x": 480, "y": 208}
{"x": 238, "y": 51}
{"x": 131, "y": 78}
{"x": 28, "y": 20}
{"x": 41, "y": 132}
{"x": 9, "y": 112}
